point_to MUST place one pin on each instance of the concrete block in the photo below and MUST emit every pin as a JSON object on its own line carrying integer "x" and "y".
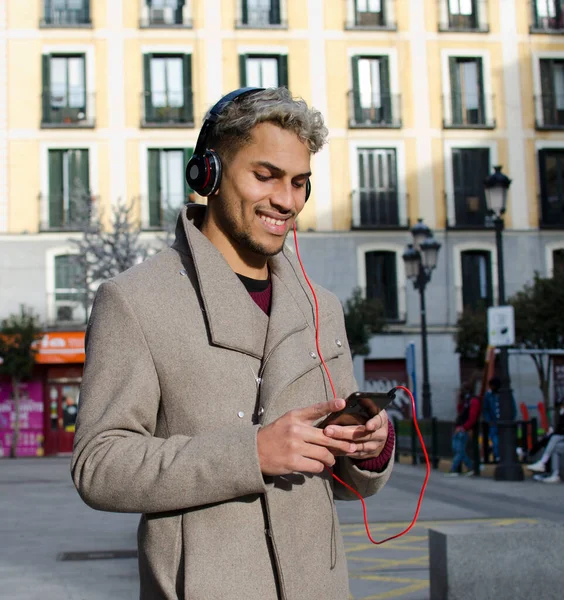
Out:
{"x": 519, "y": 561}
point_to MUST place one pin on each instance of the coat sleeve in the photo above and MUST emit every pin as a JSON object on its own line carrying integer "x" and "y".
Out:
{"x": 118, "y": 463}
{"x": 365, "y": 482}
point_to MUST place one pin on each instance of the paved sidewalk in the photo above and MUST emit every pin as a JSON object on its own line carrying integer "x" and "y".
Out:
{"x": 42, "y": 519}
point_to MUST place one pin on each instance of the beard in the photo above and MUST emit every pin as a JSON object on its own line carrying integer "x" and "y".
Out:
{"x": 241, "y": 235}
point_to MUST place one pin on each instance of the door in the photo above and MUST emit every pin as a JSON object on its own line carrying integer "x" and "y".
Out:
{"x": 63, "y": 408}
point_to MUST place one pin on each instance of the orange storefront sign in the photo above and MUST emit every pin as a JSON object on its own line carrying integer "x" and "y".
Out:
{"x": 60, "y": 347}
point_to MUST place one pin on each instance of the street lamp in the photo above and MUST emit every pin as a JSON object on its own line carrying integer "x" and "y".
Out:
{"x": 496, "y": 187}
{"x": 420, "y": 259}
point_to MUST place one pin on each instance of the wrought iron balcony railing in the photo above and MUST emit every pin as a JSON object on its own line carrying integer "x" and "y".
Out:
{"x": 166, "y": 17}
{"x": 469, "y": 210}
{"x": 260, "y": 18}
{"x": 549, "y": 111}
{"x": 161, "y": 211}
{"x": 551, "y": 211}
{"x": 67, "y": 109}
{"x": 167, "y": 108}
{"x": 464, "y": 111}
{"x": 381, "y": 19}
{"x": 65, "y": 212}
{"x": 463, "y": 20}
{"x": 377, "y": 209}
{"x": 547, "y": 16}
{"x": 381, "y": 111}
{"x": 64, "y": 17}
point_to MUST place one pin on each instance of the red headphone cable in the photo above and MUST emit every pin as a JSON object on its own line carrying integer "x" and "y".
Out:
{"x": 399, "y": 387}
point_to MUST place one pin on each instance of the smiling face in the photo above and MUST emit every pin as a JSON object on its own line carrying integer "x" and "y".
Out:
{"x": 262, "y": 192}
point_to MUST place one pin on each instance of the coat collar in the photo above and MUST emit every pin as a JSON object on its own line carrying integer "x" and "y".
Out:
{"x": 235, "y": 321}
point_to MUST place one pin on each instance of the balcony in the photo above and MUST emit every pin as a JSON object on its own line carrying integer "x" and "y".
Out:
{"x": 475, "y": 22}
{"x": 549, "y": 111}
{"x": 383, "y": 19}
{"x": 372, "y": 113}
{"x": 64, "y": 17}
{"x": 377, "y": 209}
{"x": 167, "y": 109}
{"x": 466, "y": 112}
{"x": 551, "y": 212}
{"x": 65, "y": 212}
{"x": 67, "y": 110}
{"x": 260, "y": 18}
{"x": 161, "y": 212}
{"x": 547, "y": 16}
{"x": 467, "y": 210}
{"x": 167, "y": 17}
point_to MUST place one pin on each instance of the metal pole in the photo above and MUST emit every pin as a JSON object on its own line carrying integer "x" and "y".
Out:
{"x": 426, "y": 393}
{"x": 508, "y": 469}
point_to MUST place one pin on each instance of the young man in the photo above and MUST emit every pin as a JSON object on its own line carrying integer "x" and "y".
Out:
{"x": 203, "y": 383}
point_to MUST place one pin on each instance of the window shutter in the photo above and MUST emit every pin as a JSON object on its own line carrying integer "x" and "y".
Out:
{"x": 275, "y": 12}
{"x": 154, "y": 188}
{"x": 283, "y": 70}
{"x": 482, "y": 119}
{"x": 381, "y": 280}
{"x": 46, "y": 98}
{"x": 187, "y": 189}
{"x": 188, "y": 116}
{"x": 385, "y": 97}
{"x": 178, "y": 16}
{"x": 484, "y": 171}
{"x": 356, "y": 91}
{"x": 56, "y": 188}
{"x": 243, "y": 70}
{"x": 468, "y": 283}
{"x": 391, "y": 285}
{"x": 547, "y": 91}
{"x": 78, "y": 186}
{"x": 455, "y": 92}
{"x": 244, "y": 14}
{"x": 47, "y": 11}
{"x": 86, "y": 9}
{"x": 149, "y": 112}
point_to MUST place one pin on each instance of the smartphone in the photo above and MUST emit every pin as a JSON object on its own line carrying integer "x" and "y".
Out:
{"x": 360, "y": 407}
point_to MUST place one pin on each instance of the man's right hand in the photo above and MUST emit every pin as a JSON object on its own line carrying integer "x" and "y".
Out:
{"x": 292, "y": 445}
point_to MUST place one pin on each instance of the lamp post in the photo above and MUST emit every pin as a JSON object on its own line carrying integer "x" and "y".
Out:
{"x": 496, "y": 186}
{"x": 420, "y": 259}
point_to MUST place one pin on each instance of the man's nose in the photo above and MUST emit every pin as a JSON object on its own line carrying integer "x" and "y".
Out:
{"x": 284, "y": 198}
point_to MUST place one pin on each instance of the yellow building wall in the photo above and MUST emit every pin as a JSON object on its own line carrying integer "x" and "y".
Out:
{"x": 24, "y": 180}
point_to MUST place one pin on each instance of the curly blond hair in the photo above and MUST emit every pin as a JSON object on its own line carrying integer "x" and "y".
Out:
{"x": 234, "y": 125}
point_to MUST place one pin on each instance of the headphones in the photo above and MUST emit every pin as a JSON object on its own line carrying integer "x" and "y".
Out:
{"x": 203, "y": 171}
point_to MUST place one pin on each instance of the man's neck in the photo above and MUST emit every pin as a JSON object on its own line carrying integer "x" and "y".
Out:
{"x": 245, "y": 263}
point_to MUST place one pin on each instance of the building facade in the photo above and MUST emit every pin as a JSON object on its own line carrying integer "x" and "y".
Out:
{"x": 101, "y": 102}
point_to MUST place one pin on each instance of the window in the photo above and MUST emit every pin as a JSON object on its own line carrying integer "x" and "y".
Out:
{"x": 264, "y": 71}
{"x": 162, "y": 13}
{"x": 69, "y": 289}
{"x": 369, "y": 13}
{"x": 459, "y": 15}
{"x": 59, "y": 13}
{"x": 69, "y": 189}
{"x": 467, "y": 102}
{"x": 381, "y": 281}
{"x": 548, "y": 15}
{"x": 260, "y": 13}
{"x": 168, "y": 90}
{"x": 371, "y": 101}
{"x": 378, "y": 187}
{"x": 168, "y": 190}
{"x": 558, "y": 261}
{"x": 470, "y": 167}
{"x": 477, "y": 289}
{"x": 552, "y": 93}
{"x": 64, "y": 97}
{"x": 551, "y": 171}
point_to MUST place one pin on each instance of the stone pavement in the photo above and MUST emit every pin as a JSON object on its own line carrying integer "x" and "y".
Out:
{"x": 53, "y": 547}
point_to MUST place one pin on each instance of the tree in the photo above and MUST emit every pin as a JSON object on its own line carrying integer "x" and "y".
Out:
{"x": 103, "y": 253}
{"x": 18, "y": 336}
{"x": 471, "y": 335}
{"x": 539, "y": 323}
{"x": 364, "y": 317}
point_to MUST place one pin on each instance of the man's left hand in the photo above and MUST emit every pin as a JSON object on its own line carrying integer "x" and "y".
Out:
{"x": 369, "y": 438}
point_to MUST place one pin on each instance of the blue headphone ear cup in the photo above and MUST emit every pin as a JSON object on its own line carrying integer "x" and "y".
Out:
{"x": 308, "y": 189}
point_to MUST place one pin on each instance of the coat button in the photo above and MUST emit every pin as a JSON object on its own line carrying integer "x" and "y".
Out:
{"x": 338, "y": 342}
{"x": 261, "y": 411}
{"x": 240, "y": 414}
{"x": 313, "y": 355}
{"x": 183, "y": 272}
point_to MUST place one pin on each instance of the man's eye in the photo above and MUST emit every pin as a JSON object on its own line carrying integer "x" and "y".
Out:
{"x": 298, "y": 185}
{"x": 261, "y": 177}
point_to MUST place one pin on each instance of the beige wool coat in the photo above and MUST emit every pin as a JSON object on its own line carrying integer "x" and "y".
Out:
{"x": 169, "y": 412}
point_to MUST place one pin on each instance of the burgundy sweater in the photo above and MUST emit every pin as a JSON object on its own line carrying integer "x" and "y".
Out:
{"x": 261, "y": 292}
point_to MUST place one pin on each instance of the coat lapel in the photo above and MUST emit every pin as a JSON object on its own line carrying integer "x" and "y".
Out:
{"x": 235, "y": 321}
